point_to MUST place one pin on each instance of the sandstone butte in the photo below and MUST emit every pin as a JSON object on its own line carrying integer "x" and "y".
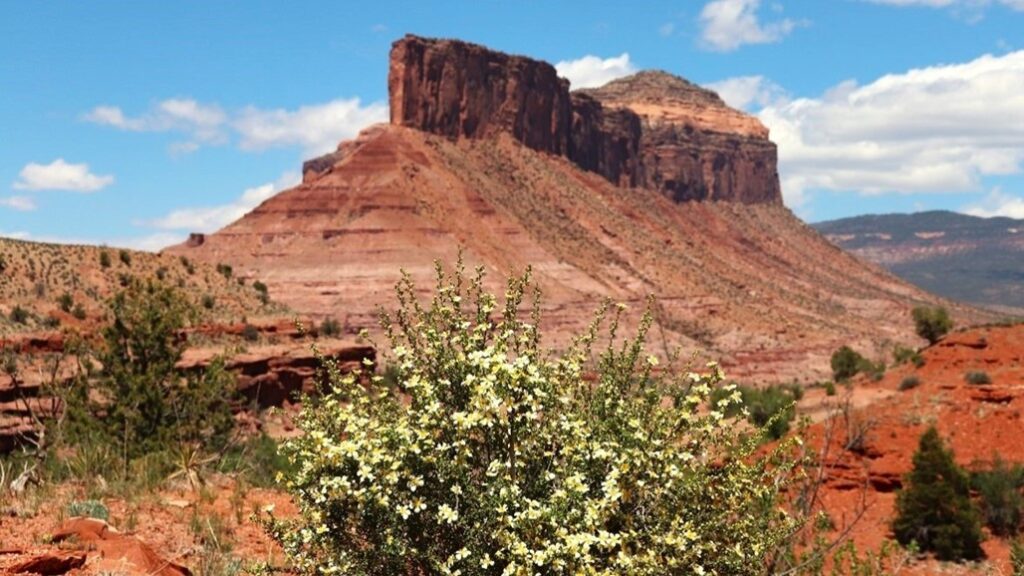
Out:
{"x": 649, "y": 185}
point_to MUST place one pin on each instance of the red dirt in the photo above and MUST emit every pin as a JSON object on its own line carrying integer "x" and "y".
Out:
{"x": 978, "y": 423}
{"x": 167, "y": 530}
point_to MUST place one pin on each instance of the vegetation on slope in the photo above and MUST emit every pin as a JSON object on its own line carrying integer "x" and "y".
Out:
{"x": 45, "y": 286}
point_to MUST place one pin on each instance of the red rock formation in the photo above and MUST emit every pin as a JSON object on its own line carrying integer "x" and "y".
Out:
{"x": 693, "y": 146}
{"x": 463, "y": 90}
{"x": 606, "y": 141}
{"x": 460, "y": 174}
{"x": 651, "y": 129}
{"x": 52, "y": 563}
{"x": 272, "y": 375}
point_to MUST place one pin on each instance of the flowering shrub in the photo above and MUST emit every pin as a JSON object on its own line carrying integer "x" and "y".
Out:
{"x": 489, "y": 456}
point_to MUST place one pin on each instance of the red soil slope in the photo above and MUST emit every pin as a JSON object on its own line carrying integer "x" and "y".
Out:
{"x": 977, "y": 421}
{"x": 750, "y": 284}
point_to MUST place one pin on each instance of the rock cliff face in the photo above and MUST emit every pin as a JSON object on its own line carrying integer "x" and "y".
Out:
{"x": 692, "y": 146}
{"x": 650, "y": 130}
{"x": 463, "y": 90}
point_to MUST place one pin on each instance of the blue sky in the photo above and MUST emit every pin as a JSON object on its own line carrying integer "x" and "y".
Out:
{"x": 133, "y": 123}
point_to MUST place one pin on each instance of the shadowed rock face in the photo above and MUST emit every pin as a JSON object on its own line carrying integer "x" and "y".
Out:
{"x": 650, "y": 130}
{"x": 692, "y": 146}
{"x": 463, "y": 90}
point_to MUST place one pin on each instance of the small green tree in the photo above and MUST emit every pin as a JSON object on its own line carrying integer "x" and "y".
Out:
{"x": 105, "y": 259}
{"x": 934, "y": 509}
{"x": 141, "y": 401}
{"x": 931, "y": 323}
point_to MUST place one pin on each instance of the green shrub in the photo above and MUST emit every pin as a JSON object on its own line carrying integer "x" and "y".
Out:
{"x": 258, "y": 460}
{"x": 250, "y": 333}
{"x": 999, "y": 488}
{"x": 910, "y": 382}
{"x": 78, "y": 312}
{"x": 89, "y": 509}
{"x": 934, "y": 509}
{"x": 264, "y": 293}
{"x": 225, "y": 271}
{"x": 771, "y": 408}
{"x": 931, "y": 323}
{"x": 330, "y": 327}
{"x": 846, "y": 362}
{"x": 66, "y": 302}
{"x": 126, "y": 257}
{"x": 51, "y": 322}
{"x": 19, "y": 315}
{"x": 830, "y": 388}
{"x": 105, "y": 259}
{"x": 977, "y": 377}
{"x": 209, "y": 301}
{"x": 902, "y": 355}
{"x": 1017, "y": 558}
{"x": 494, "y": 457}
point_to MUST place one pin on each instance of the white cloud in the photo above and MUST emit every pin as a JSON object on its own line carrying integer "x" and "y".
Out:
{"x": 592, "y": 71}
{"x": 212, "y": 218}
{"x": 19, "y": 203}
{"x": 937, "y": 129}
{"x": 728, "y": 24}
{"x": 317, "y": 128}
{"x": 745, "y": 92}
{"x": 929, "y": 3}
{"x": 998, "y": 203}
{"x": 149, "y": 242}
{"x": 60, "y": 175}
{"x": 201, "y": 123}
{"x": 971, "y": 4}
{"x": 667, "y": 29}
{"x": 19, "y": 235}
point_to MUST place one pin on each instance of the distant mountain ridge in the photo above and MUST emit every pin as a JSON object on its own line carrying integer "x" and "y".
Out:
{"x": 962, "y": 257}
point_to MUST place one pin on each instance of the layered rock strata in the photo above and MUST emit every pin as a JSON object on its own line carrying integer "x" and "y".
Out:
{"x": 650, "y": 130}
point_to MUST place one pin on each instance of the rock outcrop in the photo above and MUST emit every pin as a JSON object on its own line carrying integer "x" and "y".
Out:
{"x": 692, "y": 145}
{"x": 650, "y": 130}
{"x": 268, "y": 374}
{"x": 271, "y": 375}
{"x": 463, "y": 90}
